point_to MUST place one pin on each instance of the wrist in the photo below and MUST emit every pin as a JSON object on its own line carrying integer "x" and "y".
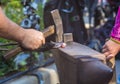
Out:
{"x": 20, "y": 35}
{"x": 115, "y": 40}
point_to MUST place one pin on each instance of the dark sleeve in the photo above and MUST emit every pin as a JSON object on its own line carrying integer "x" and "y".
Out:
{"x": 0, "y": 2}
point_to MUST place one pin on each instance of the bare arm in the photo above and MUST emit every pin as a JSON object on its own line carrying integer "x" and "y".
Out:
{"x": 9, "y": 29}
{"x": 28, "y": 38}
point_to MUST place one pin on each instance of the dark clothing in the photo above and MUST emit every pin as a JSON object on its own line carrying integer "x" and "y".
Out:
{"x": 114, "y": 4}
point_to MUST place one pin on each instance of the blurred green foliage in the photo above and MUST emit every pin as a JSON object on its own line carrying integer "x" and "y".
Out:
{"x": 13, "y": 10}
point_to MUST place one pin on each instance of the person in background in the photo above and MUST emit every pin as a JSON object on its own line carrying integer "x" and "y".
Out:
{"x": 28, "y": 38}
{"x": 112, "y": 46}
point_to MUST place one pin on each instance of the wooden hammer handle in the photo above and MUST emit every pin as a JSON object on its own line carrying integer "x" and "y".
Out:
{"x": 46, "y": 32}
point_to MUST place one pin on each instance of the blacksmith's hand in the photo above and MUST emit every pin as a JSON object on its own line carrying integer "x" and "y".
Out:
{"x": 32, "y": 39}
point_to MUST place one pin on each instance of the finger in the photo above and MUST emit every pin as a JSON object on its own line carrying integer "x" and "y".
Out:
{"x": 109, "y": 57}
{"x": 43, "y": 40}
{"x": 104, "y": 46}
{"x": 104, "y": 50}
{"x": 106, "y": 53}
{"x": 107, "y": 39}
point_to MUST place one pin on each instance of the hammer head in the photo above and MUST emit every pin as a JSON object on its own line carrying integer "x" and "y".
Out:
{"x": 58, "y": 24}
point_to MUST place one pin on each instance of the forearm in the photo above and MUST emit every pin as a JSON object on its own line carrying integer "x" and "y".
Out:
{"x": 9, "y": 29}
{"x": 28, "y": 38}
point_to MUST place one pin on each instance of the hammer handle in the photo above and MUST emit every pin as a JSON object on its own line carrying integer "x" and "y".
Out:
{"x": 46, "y": 32}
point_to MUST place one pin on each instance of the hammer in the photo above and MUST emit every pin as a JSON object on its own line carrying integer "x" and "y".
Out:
{"x": 46, "y": 32}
